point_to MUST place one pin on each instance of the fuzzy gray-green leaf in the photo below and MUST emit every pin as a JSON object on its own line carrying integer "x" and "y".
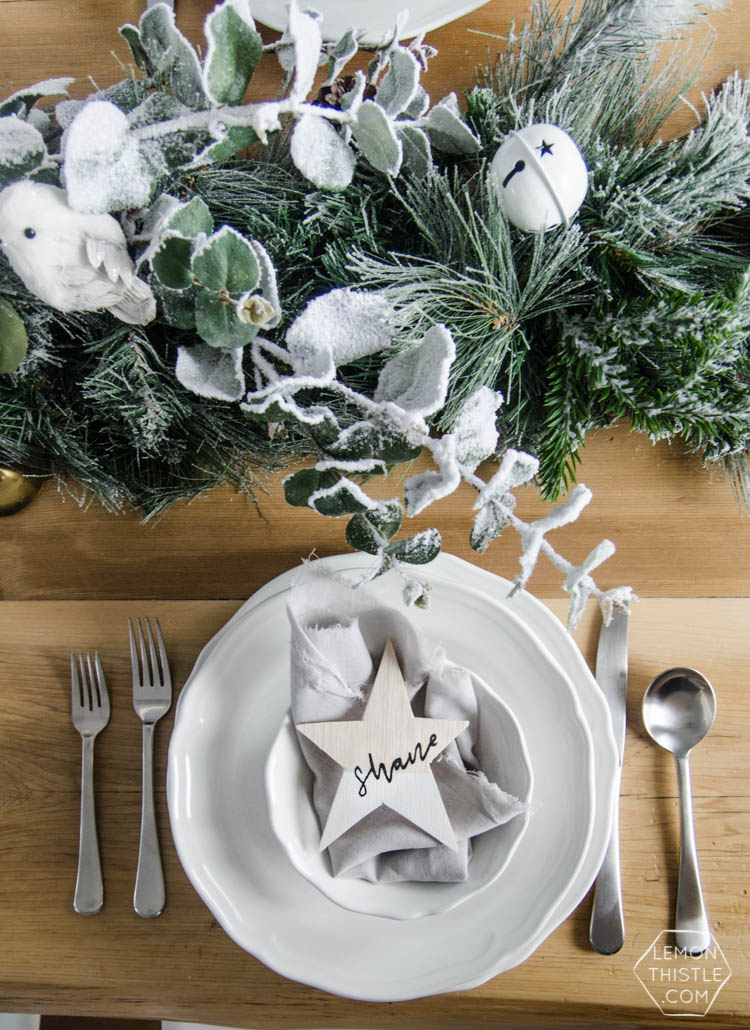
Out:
{"x": 344, "y": 50}
{"x": 377, "y": 139}
{"x": 417, "y": 150}
{"x": 399, "y": 84}
{"x": 448, "y": 131}
{"x": 321, "y": 154}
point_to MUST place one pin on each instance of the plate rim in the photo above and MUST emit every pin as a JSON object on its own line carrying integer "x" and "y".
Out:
{"x": 354, "y": 561}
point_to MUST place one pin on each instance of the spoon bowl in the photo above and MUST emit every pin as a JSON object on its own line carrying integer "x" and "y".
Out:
{"x": 679, "y": 707}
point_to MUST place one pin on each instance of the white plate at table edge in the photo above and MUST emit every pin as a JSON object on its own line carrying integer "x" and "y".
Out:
{"x": 450, "y": 570}
{"x": 424, "y": 16}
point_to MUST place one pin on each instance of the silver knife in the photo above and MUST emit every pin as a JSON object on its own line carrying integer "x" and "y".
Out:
{"x": 607, "y": 929}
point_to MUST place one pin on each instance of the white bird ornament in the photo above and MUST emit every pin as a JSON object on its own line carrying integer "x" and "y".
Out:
{"x": 71, "y": 261}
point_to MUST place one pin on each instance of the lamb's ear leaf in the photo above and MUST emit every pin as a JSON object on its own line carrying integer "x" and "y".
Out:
{"x": 376, "y": 137}
{"x": 321, "y": 154}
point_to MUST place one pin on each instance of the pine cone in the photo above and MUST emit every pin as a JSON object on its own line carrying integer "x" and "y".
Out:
{"x": 330, "y": 95}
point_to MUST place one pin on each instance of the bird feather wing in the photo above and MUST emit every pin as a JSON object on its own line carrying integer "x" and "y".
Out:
{"x": 111, "y": 257}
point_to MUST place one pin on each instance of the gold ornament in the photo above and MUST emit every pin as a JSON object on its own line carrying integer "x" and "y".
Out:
{"x": 16, "y": 491}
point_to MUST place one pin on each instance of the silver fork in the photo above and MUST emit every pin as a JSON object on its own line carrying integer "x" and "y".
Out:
{"x": 152, "y": 696}
{"x": 90, "y": 707}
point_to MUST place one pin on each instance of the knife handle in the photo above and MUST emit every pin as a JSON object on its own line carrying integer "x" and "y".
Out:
{"x": 607, "y": 929}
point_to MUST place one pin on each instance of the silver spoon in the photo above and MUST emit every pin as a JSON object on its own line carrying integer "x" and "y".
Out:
{"x": 679, "y": 707}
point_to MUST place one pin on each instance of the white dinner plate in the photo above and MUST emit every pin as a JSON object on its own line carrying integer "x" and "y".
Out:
{"x": 503, "y": 758}
{"x": 375, "y": 19}
{"x": 224, "y": 729}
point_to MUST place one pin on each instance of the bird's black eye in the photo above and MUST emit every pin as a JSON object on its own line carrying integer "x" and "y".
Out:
{"x": 29, "y": 233}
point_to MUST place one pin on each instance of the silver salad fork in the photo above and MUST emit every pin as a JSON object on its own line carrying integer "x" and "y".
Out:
{"x": 90, "y": 708}
{"x": 152, "y": 696}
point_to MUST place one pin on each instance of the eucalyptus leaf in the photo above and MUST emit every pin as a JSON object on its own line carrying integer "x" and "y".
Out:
{"x": 419, "y": 549}
{"x": 23, "y": 100}
{"x": 371, "y": 439}
{"x": 300, "y": 486}
{"x": 190, "y": 218}
{"x": 22, "y": 149}
{"x": 177, "y": 306}
{"x": 377, "y": 139}
{"x": 321, "y": 154}
{"x": 399, "y": 84}
{"x": 235, "y": 139}
{"x": 226, "y": 261}
{"x": 217, "y": 323}
{"x": 234, "y": 51}
{"x": 171, "y": 261}
{"x": 14, "y": 341}
{"x": 362, "y": 535}
{"x": 212, "y": 373}
{"x": 489, "y": 522}
{"x": 171, "y": 59}
{"x": 344, "y": 498}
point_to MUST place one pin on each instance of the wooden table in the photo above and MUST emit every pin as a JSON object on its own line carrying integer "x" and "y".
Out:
{"x": 70, "y": 578}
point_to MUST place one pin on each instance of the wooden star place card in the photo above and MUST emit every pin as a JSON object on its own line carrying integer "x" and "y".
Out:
{"x": 386, "y": 759}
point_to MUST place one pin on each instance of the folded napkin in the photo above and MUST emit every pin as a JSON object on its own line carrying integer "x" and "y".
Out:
{"x": 338, "y": 635}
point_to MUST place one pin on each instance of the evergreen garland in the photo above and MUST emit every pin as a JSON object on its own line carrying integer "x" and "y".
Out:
{"x": 639, "y": 309}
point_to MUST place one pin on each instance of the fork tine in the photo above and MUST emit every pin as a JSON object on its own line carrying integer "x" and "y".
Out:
{"x": 155, "y": 673}
{"x": 145, "y": 671}
{"x": 93, "y": 686}
{"x": 133, "y": 656}
{"x": 85, "y": 685}
{"x": 75, "y": 683}
{"x": 166, "y": 678}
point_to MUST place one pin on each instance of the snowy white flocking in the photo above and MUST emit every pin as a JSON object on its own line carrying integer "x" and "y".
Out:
{"x": 541, "y": 177}
{"x": 71, "y": 261}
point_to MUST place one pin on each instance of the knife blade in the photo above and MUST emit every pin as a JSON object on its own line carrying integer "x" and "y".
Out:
{"x": 607, "y": 928}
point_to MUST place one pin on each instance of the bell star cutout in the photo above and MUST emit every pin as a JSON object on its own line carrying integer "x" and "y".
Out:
{"x": 386, "y": 759}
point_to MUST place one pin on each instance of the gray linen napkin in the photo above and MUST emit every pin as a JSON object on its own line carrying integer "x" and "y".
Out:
{"x": 338, "y": 634}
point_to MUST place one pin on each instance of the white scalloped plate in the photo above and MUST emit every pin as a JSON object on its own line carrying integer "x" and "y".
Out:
{"x": 376, "y": 19}
{"x": 504, "y": 759}
{"x": 226, "y": 721}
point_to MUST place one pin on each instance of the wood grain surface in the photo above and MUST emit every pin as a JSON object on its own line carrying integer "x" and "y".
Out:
{"x": 70, "y": 577}
{"x": 183, "y": 965}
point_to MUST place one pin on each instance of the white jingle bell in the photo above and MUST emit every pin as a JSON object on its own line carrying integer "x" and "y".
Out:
{"x": 541, "y": 177}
